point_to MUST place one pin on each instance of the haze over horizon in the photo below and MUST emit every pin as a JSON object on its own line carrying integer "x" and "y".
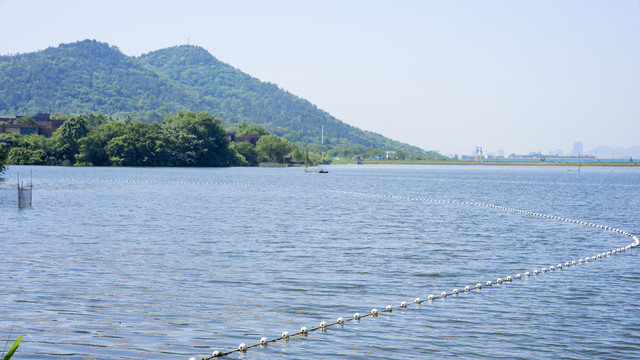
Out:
{"x": 512, "y": 76}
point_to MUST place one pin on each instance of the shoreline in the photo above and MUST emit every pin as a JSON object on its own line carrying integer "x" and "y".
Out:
{"x": 489, "y": 163}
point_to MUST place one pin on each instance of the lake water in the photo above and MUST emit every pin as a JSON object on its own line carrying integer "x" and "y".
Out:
{"x": 130, "y": 263}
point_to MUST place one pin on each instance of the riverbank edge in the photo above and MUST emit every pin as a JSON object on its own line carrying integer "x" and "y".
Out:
{"x": 488, "y": 163}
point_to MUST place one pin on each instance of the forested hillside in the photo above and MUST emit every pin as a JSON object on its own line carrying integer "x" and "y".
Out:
{"x": 89, "y": 76}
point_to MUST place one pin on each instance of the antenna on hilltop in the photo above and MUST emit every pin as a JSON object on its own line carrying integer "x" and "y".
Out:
{"x": 187, "y": 41}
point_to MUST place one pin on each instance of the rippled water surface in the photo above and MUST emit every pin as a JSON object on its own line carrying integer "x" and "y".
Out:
{"x": 174, "y": 263}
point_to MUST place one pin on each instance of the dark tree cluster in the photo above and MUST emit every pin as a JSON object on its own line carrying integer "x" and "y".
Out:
{"x": 185, "y": 139}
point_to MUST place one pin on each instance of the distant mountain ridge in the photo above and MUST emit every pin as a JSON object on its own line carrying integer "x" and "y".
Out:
{"x": 90, "y": 76}
{"x": 609, "y": 152}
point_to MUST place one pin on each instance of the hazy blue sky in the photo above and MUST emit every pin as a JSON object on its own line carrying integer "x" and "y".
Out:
{"x": 519, "y": 76}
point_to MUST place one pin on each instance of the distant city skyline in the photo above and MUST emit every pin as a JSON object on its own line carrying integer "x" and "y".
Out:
{"x": 599, "y": 151}
{"x": 441, "y": 75}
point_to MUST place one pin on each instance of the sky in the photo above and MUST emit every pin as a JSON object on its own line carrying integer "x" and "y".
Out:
{"x": 511, "y": 76}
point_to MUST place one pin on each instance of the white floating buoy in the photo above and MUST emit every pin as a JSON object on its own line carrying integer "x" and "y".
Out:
{"x": 444, "y": 294}
{"x": 455, "y": 291}
{"x": 303, "y": 330}
{"x": 323, "y": 324}
{"x": 544, "y": 270}
{"x": 242, "y": 347}
{"x": 551, "y": 268}
{"x": 489, "y": 283}
{"x": 263, "y": 340}
{"x": 508, "y": 279}
{"x": 586, "y": 259}
{"x": 573, "y": 262}
{"x": 527, "y": 274}
{"x": 466, "y": 288}
{"x": 478, "y": 286}
{"x": 403, "y": 304}
{"x": 598, "y": 256}
{"x": 374, "y": 312}
{"x": 559, "y": 266}
{"x": 214, "y": 354}
{"x": 417, "y": 301}
{"x": 340, "y": 320}
{"x": 356, "y": 316}
{"x": 593, "y": 258}
{"x": 430, "y": 297}
{"x": 608, "y": 253}
{"x": 285, "y": 334}
{"x": 566, "y": 264}
{"x": 388, "y": 308}
{"x": 518, "y": 277}
{"x": 580, "y": 261}
{"x": 499, "y": 281}
{"x": 535, "y": 272}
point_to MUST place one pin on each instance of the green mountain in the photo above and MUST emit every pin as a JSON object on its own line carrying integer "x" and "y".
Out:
{"x": 90, "y": 76}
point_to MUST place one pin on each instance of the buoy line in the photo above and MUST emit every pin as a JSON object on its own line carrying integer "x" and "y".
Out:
{"x": 304, "y": 331}
{"x": 323, "y": 326}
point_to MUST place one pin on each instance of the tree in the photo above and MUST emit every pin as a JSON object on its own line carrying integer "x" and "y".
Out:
{"x": 246, "y": 129}
{"x": 25, "y": 156}
{"x": 25, "y": 120}
{"x": 272, "y": 148}
{"x": 125, "y": 150}
{"x": 32, "y": 150}
{"x": 68, "y": 137}
{"x": 247, "y": 151}
{"x": 179, "y": 148}
{"x": 92, "y": 148}
{"x": 214, "y": 149}
{"x": 297, "y": 154}
{"x": 95, "y": 120}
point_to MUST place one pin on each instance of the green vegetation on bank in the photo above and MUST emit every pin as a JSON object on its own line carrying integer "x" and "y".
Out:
{"x": 93, "y": 77}
{"x": 185, "y": 139}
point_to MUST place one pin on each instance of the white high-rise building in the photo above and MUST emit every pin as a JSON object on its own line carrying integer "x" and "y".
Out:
{"x": 577, "y": 148}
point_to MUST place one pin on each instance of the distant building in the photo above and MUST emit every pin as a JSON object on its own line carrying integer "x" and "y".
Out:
{"x": 44, "y": 125}
{"x": 577, "y": 148}
{"x": 253, "y": 139}
{"x": 19, "y": 129}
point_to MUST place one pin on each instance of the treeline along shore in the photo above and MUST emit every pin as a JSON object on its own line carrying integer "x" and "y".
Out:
{"x": 184, "y": 139}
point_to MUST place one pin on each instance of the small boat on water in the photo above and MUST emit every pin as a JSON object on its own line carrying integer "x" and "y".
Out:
{"x": 317, "y": 171}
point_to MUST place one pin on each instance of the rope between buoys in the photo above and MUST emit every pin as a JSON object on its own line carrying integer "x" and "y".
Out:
{"x": 357, "y": 317}
{"x": 431, "y": 298}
